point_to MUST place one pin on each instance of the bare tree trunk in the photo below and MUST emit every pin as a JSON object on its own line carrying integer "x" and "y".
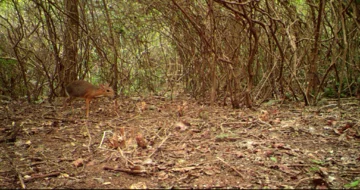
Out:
{"x": 313, "y": 79}
{"x": 252, "y": 51}
{"x": 344, "y": 53}
{"x": 212, "y": 60}
{"x": 68, "y": 67}
{"x": 114, "y": 47}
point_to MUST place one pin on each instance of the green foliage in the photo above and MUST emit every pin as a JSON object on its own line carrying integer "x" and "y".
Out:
{"x": 300, "y": 6}
{"x": 150, "y": 36}
{"x": 329, "y": 92}
{"x": 319, "y": 162}
{"x": 5, "y": 7}
{"x": 7, "y": 63}
{"x": 10, "y": 78}
{"x": 222, "y": 136}
{"x": 314, "y": 169}
{"x": 352, "y": 184}
{"x": 274, "y": 159}
{"x": 271, "y": 103}
{"x": 348, "y": 88}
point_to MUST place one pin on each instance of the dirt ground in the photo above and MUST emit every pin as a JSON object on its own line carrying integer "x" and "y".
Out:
{"x": 155, "y": 142}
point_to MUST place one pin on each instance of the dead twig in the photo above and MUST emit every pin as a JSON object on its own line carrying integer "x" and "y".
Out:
{"x": 103, "y": 137}
{"x": 21, "y": 181}
{"x": 54, "y": 174}
{"x": 125, "y": 170}
{"x": 124, "y": 157}
{"x": 237, "y": 171}
{"x": 162, "y": 142}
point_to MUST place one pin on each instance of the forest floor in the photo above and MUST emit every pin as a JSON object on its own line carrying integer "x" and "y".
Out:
{"x": 157, "y": 143}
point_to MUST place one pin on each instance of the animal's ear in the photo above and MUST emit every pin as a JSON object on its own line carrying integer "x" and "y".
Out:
{"x": 106, "y": 85}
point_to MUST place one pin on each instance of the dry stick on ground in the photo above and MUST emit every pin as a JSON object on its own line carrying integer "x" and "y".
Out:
{"x": 125, "y": 170}
{"x": 132, "y": 118}
{"x": 103, "y": 137}
{"x": 146, "y": 129}
{"x": 124, "y": 157}
{"x": 116, "y": 106}
{"x": 54, "y": 174}
{"x": 160, "y": 145}
{"x": 21, "y": 181}
{"x": 237, "y": 171}
{"x": 183, "y": 139}
{"x": 302, "y": 180}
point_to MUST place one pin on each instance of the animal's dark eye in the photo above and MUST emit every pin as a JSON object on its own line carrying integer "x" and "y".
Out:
{"x": 107, "y": 90}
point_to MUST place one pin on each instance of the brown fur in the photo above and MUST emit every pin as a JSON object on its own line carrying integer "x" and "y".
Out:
{"x": 83, "y": 89}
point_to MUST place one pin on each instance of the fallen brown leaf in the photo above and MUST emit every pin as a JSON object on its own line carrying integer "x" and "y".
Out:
{"x": 141, "y": 141}
{"x": 79, "y": 162}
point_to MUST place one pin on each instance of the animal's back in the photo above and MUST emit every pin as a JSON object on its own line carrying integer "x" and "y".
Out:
{"x": 80, "y": 88}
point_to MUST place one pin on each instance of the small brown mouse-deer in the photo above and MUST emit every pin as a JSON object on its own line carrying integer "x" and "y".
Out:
{"x": 83, "y": 89}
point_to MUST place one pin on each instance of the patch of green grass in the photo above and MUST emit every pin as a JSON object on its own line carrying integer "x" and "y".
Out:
{"x": 352, "y": 184}
{"x": 318, "y": 162}
{"x": 273, "y": 158}
{"x": 222, "y": 135}
{"x": 314, "y": 169}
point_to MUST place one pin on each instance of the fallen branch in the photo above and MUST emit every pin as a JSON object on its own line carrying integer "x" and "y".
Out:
{"x": 21, "y": 181}
{"x": 54, "y": 174}
{"x": 237, "y": 171}
{"x": 125, "y": 170}
{"x": 162, "y": 142}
